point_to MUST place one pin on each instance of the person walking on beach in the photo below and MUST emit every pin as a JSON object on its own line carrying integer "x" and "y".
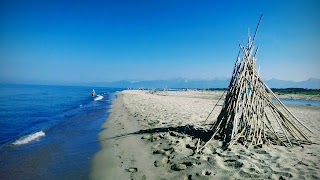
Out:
{"x": 93, "y": 93}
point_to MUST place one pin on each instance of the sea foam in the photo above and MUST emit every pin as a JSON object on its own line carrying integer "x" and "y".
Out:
{"x": 29, "y": 138}
{"x": 99, "y": 97}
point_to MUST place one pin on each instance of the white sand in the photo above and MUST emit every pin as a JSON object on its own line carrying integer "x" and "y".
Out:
{"x": 153, "y": 136}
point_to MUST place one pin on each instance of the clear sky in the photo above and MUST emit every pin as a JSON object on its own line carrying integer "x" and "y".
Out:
{"x": 95, "y": 41}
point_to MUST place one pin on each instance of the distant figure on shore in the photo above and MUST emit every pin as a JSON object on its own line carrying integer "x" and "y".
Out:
{"x": 93, "y": 93}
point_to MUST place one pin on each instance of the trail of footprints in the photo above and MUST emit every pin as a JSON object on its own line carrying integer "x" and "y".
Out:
{"x": 178, "y": 155}
{"x": 241, "y": 163}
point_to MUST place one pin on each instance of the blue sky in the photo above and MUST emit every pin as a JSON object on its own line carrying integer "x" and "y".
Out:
{"x": 95, "y": 41}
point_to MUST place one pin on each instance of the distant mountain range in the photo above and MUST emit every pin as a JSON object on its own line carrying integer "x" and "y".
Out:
{"x": 312, "y": 83}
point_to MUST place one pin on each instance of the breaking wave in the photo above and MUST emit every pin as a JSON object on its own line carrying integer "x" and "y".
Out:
{"x": 29, "y": 138}
{"x": 99, "y": 97}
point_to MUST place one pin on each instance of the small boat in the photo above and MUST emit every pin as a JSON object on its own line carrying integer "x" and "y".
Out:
{"x": 93, "y": 93}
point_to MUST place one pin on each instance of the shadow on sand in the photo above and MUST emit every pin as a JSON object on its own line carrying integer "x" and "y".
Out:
{"x": 190, "y": 130}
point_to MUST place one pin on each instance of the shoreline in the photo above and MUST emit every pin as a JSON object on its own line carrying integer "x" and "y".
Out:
{"x": 153, "y": 136}
{"x": 299, "y": 97}
{"x": 121, "y": 155}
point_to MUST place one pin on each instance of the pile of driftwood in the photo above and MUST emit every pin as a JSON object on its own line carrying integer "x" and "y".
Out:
{"x": 251, "y": 113}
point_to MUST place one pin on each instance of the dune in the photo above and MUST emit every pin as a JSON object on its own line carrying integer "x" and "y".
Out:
{"x": 154, "y": 136}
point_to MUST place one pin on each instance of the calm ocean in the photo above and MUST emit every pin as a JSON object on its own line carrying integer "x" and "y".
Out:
{"x": 50, "y": 132}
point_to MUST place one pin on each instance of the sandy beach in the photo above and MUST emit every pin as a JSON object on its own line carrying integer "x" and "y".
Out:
{"x": 153, "y": 136}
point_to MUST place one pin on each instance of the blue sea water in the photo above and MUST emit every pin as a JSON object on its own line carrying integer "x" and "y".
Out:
{"x": 300, "y": 102}
{"x": 50, "y": 132}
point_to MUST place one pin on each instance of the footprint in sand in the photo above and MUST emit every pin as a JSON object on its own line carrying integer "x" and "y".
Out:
{"x": 156, "y": 163}
{"x": 233, "y": 162}
{"x": 206, "y": 173}
{"x": 178, "y": 167}
{"x": 165, "y": 160}
{"x": 132, "y": 169}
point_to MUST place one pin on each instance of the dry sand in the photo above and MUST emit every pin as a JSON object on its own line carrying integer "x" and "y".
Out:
{"x": 153, "y": 136}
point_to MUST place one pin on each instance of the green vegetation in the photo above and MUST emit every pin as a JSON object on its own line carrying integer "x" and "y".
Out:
{"x": 296, "y": 91}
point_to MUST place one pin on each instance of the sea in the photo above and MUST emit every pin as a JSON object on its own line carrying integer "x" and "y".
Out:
{"x": 300, "y": 102}
{"x": 50, "y": 132}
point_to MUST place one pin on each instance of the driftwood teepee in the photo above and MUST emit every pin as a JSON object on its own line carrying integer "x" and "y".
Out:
{"x": 251, "y": 113}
